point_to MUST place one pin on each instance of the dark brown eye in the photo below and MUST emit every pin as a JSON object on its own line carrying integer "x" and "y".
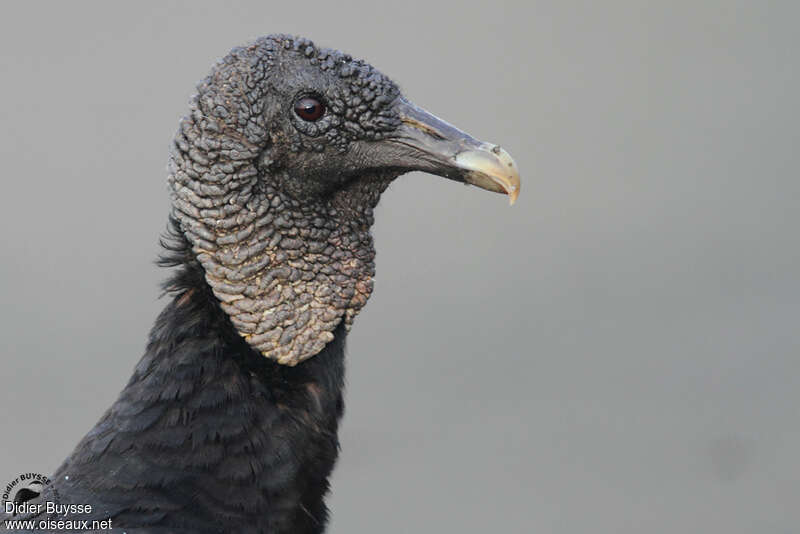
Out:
{"x": 309, "y": 108}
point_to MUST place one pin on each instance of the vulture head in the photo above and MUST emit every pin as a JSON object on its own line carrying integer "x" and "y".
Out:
{"x": 275, "y": 173}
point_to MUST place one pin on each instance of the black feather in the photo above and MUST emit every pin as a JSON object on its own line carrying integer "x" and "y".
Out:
{"x": 208, "y": 435}
{"x": 272, "y": 258}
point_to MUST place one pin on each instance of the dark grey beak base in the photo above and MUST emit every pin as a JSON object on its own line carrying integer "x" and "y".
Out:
{"x": 432, "y": 145}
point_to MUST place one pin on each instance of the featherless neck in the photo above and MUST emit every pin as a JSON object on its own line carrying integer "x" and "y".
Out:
{"x": 286, "y": 272}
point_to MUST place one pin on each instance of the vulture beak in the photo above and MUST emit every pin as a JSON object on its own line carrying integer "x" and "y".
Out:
{"x": 442, "y": 149}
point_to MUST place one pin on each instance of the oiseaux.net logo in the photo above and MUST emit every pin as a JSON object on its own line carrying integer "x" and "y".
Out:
{"x": 20, "y": 490}
{"x": 29, "y": 504}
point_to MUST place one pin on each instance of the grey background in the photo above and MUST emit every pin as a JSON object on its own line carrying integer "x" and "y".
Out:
{"x": 616, "y": 353}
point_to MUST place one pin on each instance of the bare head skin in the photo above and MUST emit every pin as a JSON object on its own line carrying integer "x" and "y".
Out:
{"x": 275, "y": 173}
{"x": 230, "y": 420}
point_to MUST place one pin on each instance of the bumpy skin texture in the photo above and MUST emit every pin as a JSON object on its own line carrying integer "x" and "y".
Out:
{"x": 277, "y": 209}
{"x": 209, "y": 436}
{"x": 273, "y": 256}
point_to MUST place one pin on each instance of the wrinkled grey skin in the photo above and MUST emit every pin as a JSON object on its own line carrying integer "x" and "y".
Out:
{"x": 270, "y": 241}
{"x": 277, "y": 209}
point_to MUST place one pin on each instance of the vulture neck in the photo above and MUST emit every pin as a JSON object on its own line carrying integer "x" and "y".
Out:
{"x": 287, "y": 263}
{"x": 270, "y": 429}
{"x": 209, "y": 435}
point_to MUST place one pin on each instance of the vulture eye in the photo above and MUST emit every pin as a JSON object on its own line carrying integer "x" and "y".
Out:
{"x": 309, "y": 108}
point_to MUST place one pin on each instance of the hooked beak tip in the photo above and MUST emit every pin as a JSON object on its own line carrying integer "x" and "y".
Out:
{"x": 492, "y": 168}
{"x": 451, "y": 153}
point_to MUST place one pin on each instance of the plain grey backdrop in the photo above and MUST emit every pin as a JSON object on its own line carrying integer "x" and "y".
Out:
{"x": 617, "y": 353}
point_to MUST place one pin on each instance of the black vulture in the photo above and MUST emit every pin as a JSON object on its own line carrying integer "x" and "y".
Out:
{"x": 229, "y": 422}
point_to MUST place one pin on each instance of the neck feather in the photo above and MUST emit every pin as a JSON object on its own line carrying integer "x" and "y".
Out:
{"x": 206, "y": 423}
